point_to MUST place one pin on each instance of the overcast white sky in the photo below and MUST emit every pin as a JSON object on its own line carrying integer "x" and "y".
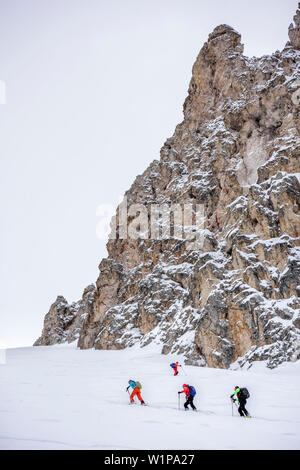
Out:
{"x": 94, "y": 88}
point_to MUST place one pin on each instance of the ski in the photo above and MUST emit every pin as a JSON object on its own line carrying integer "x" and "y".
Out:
{"x": 144, "y": 404}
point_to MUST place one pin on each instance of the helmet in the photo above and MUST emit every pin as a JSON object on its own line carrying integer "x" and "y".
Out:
{"x": 129, "y": 381}
{"x": 184, "y": 385}
{"x": 236, "y": 387}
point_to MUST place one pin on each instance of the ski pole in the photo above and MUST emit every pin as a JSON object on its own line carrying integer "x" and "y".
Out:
{"x": 233, "y": 402}
{"x": 183, "y": 370}
{"x": 178, "y": 401}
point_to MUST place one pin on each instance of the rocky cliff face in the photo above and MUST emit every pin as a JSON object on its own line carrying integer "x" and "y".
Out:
{"x": 64, "y": 322}
{"x": 235, "y": 297}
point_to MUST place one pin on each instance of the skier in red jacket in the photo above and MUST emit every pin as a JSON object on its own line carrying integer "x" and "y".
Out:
{"x": 190, "y": 392}
{"x": 175, "y": 366}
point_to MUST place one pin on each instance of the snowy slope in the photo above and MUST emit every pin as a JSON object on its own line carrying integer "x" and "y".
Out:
{"x": 63, "y": 398}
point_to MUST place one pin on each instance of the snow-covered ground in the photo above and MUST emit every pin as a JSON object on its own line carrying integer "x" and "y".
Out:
{"x": 65, "y": 398}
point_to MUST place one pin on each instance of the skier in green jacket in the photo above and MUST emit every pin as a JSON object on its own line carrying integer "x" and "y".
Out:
{"x": 240, "y": 396}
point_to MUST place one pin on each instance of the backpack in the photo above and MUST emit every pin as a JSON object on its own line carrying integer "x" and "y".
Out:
{"x": 244, "y": 393}
{"x": 138, "y": 385}
{"x": 172, "y": 365}
{"x": 192, "y": 391}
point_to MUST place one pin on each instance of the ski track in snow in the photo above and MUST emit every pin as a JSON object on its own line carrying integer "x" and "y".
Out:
{"x": 63, "y": 398}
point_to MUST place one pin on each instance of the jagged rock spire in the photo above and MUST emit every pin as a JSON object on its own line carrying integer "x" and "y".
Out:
{"x": 221, "y": 30}
{"x": 294, "y": 30}
{"x": 218, "y": 66}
